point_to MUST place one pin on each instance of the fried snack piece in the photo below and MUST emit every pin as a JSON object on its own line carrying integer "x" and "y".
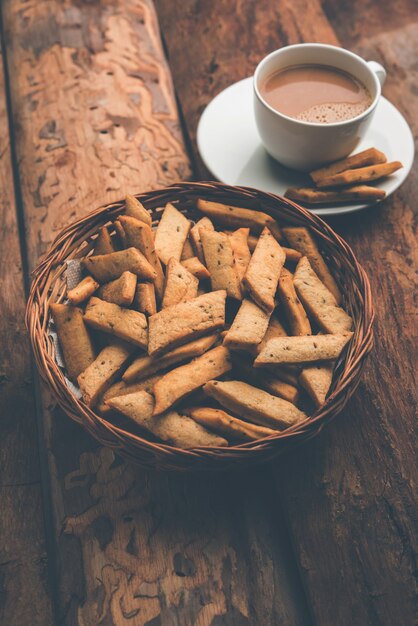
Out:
{"x": 301, "y": 239}
{"x": 145, "y": 300}
{"x": 82, "y": 291}
{"x": 120, "y": 291}
{"x": 295, "y": 313}
{"x": 180, "y": 284}
{"x": 196, "y": 268}
{"x": 183, "y": 380}
{"x": 219, "y": 260}
{"x": 263, "y": 271}
{"x": 292, "y": 256}
{"x": 227, "y": 425}
{"x": 319, "y": 301}
{"x": 186, "y": 321}
{"x": 74, "y": 338}
{"x": 107, "y": 267}
{"x": 360, "y": 175}
{"x": 236, "y": 217}
{"x": 357, "y": 193}
{"x": 187, "y": 252}
{"x": 316, "y": 380}
{"x": 135, "y": 209}
{"x": 240, "y": 249}
{"x": 100, "y": 374}
{"x": 302, "y": 349}
{"x": 254, "y": 404}
{"x": 115, "y": 320}
{"x": 372, "y": 156}
{"x": 248, "y": 328}
{"x": 268, "y": 381}
{"x": 103, "y": 243}
{"x": 146, "y": 365}
{"x": 139, "y": 235}
{"x": 120, "y": 233}
{"x": 204, "y": 222}
{"x": 120, "y": 388}
{"x": 178, "y": 430}
{"x": 172, "y": 231}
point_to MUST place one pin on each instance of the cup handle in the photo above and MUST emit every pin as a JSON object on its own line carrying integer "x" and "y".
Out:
{"x": 379, "y": 70}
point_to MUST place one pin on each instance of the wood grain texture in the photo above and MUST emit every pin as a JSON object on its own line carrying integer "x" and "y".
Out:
{"x": 23, "y": 562}
{"x": 95, "y": 117}
{"x": 362, "y": 490}
{"x": 348, "y": 495}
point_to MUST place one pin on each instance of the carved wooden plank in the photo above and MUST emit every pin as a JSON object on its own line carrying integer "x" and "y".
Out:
{"x": 91, "y": 90}
{"x": 348, "y": 495}
{"x": 24, "y": 588}
{"x": 95, "y": 117}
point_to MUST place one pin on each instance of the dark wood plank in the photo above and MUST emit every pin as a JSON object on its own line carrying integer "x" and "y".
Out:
{"x": 24, "y": 586}
{"x": 95, "y": 117}
{"x": 348, "y": 495}
{"x": 360, "y": 492}
{"x": 225, "y": 42}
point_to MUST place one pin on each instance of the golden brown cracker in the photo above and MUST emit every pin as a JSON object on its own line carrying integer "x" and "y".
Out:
{"x": 120, "y": 291}
{"x": 115, "y": 320}
{"x": 219, "y": 260}
{"x": 186, "y": 321}
{"x": 172, "y": 231}
{"x": 180, "y": 284}
{"x": 263, "y": 271}
{"x": 75, "y": 341}
{"x": 107, "y": 267}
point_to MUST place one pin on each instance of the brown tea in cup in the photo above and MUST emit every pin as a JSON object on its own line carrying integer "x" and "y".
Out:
{"x": 318, "y": 94}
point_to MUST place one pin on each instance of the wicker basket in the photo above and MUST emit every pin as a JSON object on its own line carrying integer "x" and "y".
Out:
{"x": 76, "y": 240}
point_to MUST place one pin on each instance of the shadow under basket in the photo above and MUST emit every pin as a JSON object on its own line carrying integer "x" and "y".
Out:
{"x": 76, "y": 240}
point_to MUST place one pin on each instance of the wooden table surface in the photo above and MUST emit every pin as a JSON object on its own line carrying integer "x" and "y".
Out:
{"x": 102, "y": 97}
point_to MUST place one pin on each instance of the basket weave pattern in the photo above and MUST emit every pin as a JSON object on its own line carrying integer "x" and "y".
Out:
{"x": 75, "y": 241}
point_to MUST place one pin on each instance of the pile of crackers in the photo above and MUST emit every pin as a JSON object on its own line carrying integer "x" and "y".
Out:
{"x": 206, "y": 333}
{"x": 343, "y": 180}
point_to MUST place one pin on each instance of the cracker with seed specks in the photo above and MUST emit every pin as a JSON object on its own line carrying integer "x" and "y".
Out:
{"x": 107, "y": 267}
{"x": 100, "y": 374}
{"x": 262, "y": 275}
{"x": 248, "y": 328}
{"x": 178, "y": 324}
{"x": 240, "y": 249}
{"x": 115, "y": 320}
{"x": 219, "y": 260}
{"x": 318, "y": 301}
{"x": 180, "y": 284}
{"x": 185, "y": 379}
{"x": 302, "y": 349}
{"x": 254, "y": 404}
{"x": 139, "y": 235}
{"x": 171, "y": 234}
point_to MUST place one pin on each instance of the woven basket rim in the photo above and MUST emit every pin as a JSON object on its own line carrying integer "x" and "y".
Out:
{"x": 348, "y": 366}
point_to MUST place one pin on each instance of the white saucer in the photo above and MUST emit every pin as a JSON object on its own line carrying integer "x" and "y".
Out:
{"x": 230, "y": 147}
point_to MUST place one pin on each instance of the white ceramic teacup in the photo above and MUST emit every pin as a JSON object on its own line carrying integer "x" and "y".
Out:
{"x": 303, "y": 145}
